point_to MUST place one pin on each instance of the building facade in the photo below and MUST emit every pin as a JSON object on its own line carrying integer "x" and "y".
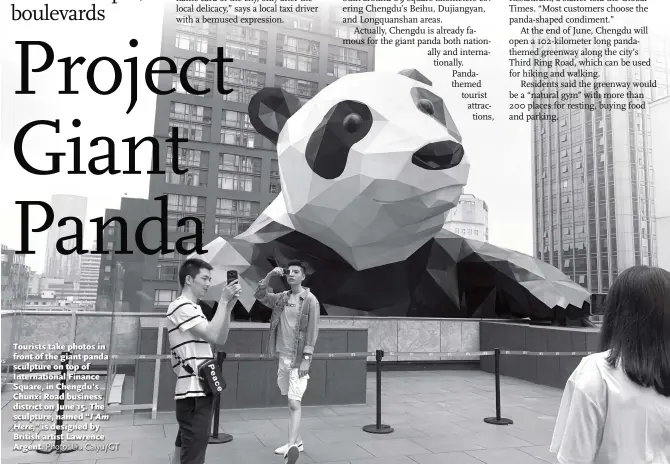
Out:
{"x": 125, "y": 266}
{"x": 660, "y": 147}
{"x": 233, "y": 173}
{"x": 57, "y": 265}
{"x": 470, "y": 218}
{"x": 593, "y": 197}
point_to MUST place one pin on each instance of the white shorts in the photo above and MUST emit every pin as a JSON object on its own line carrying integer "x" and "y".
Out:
{"x": 289, "y": 381}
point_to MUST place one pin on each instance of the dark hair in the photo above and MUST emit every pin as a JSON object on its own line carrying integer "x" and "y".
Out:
{"x": 191, "y": 267}
{"x": 636, "y": 326}
{"x": 297, "y": 262}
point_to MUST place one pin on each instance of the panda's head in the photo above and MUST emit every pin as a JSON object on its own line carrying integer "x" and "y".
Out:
{"x": 368, "y": 144}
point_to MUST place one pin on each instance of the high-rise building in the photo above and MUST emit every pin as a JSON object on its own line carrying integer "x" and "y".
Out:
{"x": 232, "y": 170}
{"x": 660, "y": 147}
{"x": 593, "y": 197}
{"x": 57, "y": 265}
{"x": 470, "y": 218}
{"x": 124, "y": 268}
{"x": 88, "y": 277}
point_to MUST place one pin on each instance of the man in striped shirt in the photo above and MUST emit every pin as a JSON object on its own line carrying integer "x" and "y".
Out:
{"x": 190, "y": 335}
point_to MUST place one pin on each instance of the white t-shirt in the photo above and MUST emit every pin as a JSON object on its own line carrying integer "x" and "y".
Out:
{"x": 182, "y": 314}
{"x": 606, "y": 418}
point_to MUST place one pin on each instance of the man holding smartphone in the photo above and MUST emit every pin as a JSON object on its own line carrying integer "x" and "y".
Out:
{"x": 190, "y": 336}
{"x": 294, "y": 327}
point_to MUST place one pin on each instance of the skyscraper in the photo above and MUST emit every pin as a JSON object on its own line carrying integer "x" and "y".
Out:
{"x": 593, "y": 197}
{"x": 232, "y": 171}
{"x": 57, "y": 265}
{"x": 88, "y": 277}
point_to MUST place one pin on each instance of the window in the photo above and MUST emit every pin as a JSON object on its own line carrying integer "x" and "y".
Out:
{"x": 108, "y": 268}
{"x": 234, "y": 181}
{"x": 236, "y": 129}
{"x": 344, "y": 32}
{"x": 185, "y": 130}
{"x": 247, "y": 35}
{"x": 298, "y": 54}
{"x": 245, "y": 53}
{"x": 229, "y": 207}
{"x": 187, "y": 157}
{"x": 190, "y": 42}
{"x": 231, "y": 226}
{"x": 239, "y": 163}
{"x": 244, "y": 82}
{"x": 186, "y": 203}
{"x": 167, "y": 272}
{"x": 192, "y": 121}
{"x": 164, "y": 297}
{"x": 274, "y": 168}
{"x": 342, "y": 61}
{"x": 300, "y": 88}
{"x": 275, "y": 187}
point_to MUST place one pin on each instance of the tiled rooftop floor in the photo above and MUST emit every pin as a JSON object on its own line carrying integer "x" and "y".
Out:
{"x": 437, "y": 417}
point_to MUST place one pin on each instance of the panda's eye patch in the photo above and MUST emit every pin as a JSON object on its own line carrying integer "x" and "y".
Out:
{"x": 426, "y": 106}
{"x": 432, "y": 105}
{"x": 352, "y": 122}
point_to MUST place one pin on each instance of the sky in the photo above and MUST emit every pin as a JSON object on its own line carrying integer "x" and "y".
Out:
{"x": 499, "y": 151}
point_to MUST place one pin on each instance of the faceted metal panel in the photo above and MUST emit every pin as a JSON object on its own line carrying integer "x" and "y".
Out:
{"x": 369, "y": 169}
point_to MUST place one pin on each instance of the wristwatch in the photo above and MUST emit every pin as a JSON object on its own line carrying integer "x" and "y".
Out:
{"x": 307, "y": 357}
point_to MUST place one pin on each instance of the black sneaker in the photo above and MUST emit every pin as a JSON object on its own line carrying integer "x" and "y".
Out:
{"x": 292, "y": 455}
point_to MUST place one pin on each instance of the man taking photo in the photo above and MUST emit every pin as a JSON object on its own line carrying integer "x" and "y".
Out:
{"x": 294, "y": 327}
{"x": 190, "y": 335}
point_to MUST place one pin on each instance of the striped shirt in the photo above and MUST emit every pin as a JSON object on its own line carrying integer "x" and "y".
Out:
{"x": 183, "y": 314}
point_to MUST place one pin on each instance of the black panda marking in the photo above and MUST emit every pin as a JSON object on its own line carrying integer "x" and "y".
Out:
{"x": 432, "y": 105}
{"x": 439, "y": 155}
{"x": 328, "y": 147}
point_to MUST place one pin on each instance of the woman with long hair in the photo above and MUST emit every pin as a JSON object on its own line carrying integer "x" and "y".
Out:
{"x": 616, "y": 405}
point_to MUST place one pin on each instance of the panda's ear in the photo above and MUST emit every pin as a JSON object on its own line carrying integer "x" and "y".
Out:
{"x": 269, "y": 110}
{"x": 416, "y": 75}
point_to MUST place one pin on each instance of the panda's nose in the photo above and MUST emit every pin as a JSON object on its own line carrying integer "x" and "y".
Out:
{"x": 439, "y": 155}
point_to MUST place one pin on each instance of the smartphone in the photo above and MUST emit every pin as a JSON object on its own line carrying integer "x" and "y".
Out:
{"x": 231, "y": 276}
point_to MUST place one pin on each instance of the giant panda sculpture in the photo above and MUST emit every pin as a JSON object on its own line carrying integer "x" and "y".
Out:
{"x": 369, "y": 168}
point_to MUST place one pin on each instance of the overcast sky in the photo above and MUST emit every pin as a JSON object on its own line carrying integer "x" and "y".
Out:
{"x": 499, "y": 151}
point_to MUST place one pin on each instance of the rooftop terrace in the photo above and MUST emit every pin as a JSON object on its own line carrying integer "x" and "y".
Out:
{"x": 437, "y": 417}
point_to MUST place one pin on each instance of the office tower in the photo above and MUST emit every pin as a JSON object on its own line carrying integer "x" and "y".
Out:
{"x": 232, "y": 170}
{"x": 470, "y": 218}
{"x": 593, "y": 196}
{"x": 88, "y": 277}
{"x": 57, "y": 265}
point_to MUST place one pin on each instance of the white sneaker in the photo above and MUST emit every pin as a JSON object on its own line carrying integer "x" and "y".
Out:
{"x": 282, "y": 450}
{"x": 292, "y": 455}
